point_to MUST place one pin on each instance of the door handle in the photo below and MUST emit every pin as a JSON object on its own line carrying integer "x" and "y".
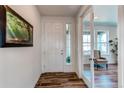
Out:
{"x": 61, "y": 50}
{"x": 62, "y": 53}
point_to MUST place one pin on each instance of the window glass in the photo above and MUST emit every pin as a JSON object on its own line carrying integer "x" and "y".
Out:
{"x": 68, "y": 44}
{"x": 102, "y": 41}
{"x": 86, "y": 43}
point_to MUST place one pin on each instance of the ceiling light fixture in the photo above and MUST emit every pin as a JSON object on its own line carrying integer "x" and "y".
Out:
{"x": 96, "y": 17}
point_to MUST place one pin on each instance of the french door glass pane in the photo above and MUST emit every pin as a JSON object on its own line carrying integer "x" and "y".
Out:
{"x": 102, "y": 42}
{"x": 86, "y": 49}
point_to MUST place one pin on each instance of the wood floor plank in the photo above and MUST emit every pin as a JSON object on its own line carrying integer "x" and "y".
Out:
{"x": 103, "y": 79}
{"x": 106, "y": 78}
{"x": 60, "y": 80}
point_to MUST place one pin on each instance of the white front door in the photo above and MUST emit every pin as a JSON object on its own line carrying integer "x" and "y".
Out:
{"x": 54, "y": 46}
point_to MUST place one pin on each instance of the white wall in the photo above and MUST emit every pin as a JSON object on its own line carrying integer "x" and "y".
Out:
{"x": 78, "y": 48}
{"x": 21, "y": 67}
{"x": 121, "y": 46}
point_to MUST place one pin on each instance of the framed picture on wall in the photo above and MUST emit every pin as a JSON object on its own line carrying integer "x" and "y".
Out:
{"x": 15, "y": 31}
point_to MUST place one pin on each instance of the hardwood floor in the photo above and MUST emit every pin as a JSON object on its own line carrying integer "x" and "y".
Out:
{"x": 105, "y": 78}
{"x": 60, "y": 80}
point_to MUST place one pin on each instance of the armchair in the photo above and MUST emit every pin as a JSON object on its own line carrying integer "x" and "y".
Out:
{"x": 99, "y": 60}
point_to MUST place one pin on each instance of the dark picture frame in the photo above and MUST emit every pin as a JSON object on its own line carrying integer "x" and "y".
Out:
{"x": 21, "y": 34}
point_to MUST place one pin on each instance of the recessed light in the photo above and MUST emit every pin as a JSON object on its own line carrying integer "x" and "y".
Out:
{"x": 96, "y": 17}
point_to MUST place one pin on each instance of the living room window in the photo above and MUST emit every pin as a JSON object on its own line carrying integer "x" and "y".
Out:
{"x": 86, "y": 43}
{"x": 101, "y": 39}
{"x": 102, "y": 42}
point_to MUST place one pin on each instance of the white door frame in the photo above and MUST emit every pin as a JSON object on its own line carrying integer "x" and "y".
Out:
{"x": 61, "y": 69}
{"x": 120, "y": 46}
{"x": 65, "y": 20}
{"x": 87, "y": 10}
{"x": 120, "y": 33}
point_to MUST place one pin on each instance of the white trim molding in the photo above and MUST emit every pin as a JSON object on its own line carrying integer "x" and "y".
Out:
{"x": 120, "y": 46}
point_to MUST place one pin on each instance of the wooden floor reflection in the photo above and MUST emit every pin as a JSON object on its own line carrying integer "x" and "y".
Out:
{"x": 105, "y": 78}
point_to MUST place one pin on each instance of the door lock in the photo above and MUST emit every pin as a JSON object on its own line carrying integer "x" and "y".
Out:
{"x": 61, "y": 53}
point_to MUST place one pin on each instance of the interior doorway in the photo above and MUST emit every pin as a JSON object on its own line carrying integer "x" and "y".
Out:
{"x": 58, "y": 51}
{"x": 87, "y": 46}
{"x": 106, "y": 40}
{"x": 54, "y": 46}
{"x": 100, "y": 46}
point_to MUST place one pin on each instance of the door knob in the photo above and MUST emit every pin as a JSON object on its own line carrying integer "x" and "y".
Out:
{"x": 61, "y": 53}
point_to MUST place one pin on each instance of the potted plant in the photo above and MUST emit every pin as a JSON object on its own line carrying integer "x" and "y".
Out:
{"x": 114, "y": 47}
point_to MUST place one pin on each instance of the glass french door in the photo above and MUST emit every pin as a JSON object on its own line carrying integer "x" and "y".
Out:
{"x": 88, "y": 48}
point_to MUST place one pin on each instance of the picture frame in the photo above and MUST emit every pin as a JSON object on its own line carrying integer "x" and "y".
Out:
{"x": 15, "y": 31}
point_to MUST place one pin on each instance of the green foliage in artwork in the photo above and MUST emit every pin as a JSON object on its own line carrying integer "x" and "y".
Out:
{"x": 16, "y": 28}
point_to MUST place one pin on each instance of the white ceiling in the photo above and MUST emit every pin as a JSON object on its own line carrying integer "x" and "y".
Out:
{"x": 106, "y": 13}
{"x": 58, "y": 10}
